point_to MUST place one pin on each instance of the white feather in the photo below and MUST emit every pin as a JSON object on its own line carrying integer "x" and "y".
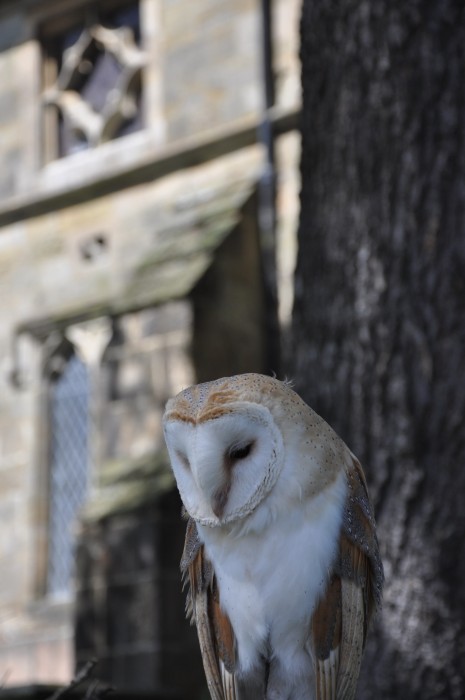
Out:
{"x": 269, "y": 585}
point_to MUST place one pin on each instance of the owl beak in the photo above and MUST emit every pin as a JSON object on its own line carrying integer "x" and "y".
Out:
{"x": 213, "y": 483}
{"x": 219, "y": 500}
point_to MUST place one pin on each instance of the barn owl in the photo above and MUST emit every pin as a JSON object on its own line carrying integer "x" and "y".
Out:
{"x": 281, "y": 554}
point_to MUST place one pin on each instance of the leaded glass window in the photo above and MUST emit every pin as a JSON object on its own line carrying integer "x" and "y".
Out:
{"x": 69, "y": 469}
{"x": 93, "y": 78}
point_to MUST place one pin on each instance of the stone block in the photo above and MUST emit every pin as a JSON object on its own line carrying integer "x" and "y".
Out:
{"x": 286, "y": 18}
{"x": 54, "y": 660}
{"x": 212, "y": 66}
{"x": 11, "y": 162}
{"x": 130, "y": 427}
{"x": 170, "y": 317}
{"x": 9, "y": 103}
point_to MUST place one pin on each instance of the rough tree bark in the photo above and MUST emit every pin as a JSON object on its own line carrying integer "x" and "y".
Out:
{"x": 379, "y": 319}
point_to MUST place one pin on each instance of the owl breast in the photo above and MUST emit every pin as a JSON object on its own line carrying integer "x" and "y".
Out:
{"x": 269, "y": 586}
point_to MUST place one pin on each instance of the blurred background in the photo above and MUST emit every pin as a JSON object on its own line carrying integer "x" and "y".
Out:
{"x": 150, "y": 170}
{"x": 196, "y": 189}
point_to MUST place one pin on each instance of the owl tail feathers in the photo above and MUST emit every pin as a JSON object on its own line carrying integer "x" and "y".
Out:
{"x": 210, "y": 665}
{"x": 352, "y": 639}
{"x": 229, "y": 683}
{"x": 221, "y": 682}
{"x": 216, "y": 637}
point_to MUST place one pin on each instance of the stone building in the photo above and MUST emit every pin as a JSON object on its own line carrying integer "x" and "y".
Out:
{"x": 149, "y": 179}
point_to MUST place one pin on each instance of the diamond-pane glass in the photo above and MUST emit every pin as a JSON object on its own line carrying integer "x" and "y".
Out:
{"x": 69, "y": 469}
{"x": 98, "y": 91}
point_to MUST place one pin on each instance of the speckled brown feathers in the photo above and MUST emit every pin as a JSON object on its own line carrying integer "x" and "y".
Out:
{"x": 340, "y": 622}
{"x": 216, "y": 637}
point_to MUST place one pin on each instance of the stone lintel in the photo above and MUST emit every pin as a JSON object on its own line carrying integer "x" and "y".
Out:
{"x": 184, "y": 154}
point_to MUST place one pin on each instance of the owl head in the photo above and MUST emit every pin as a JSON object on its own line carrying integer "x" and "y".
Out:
{"x": 228, "y": 441}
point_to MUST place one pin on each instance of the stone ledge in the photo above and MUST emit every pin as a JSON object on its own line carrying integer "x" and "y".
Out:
{"x": 111, "y": 177}
{"x": 189, "y": 237}
{"x": 126, "y": 485}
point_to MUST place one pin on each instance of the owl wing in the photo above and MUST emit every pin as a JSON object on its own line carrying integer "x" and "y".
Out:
{"x": 339, "y": 624}
{"x": 216, "y": 637}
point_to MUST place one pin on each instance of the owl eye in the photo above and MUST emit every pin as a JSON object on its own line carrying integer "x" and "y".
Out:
{"x": 183, "y": 459}
{"x": 241, "y": 452}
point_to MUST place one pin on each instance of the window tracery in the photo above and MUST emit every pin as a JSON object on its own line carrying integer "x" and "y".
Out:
{"x": 93, "y": 81}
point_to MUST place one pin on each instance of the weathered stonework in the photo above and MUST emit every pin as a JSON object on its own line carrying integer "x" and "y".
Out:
{"x": 154, "y": 238}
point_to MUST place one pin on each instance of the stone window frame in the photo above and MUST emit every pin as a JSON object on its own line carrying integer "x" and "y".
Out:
{"x": 53, "y": 23}
{"x": 57, "y": 351}
{"x": 69, "y": 179}
{"x": 57, "y": 345}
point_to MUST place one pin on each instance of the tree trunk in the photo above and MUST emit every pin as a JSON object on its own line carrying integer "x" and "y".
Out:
{"x": 379, "y": 318}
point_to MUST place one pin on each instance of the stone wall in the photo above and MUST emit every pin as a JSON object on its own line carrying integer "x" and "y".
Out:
{"x": 130, "y": 611}
{"x": 145, "y": 361}
{"x": 143, "y": 236}
{"x": 202, "y": 35}
{"x": 203, "y": 74}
